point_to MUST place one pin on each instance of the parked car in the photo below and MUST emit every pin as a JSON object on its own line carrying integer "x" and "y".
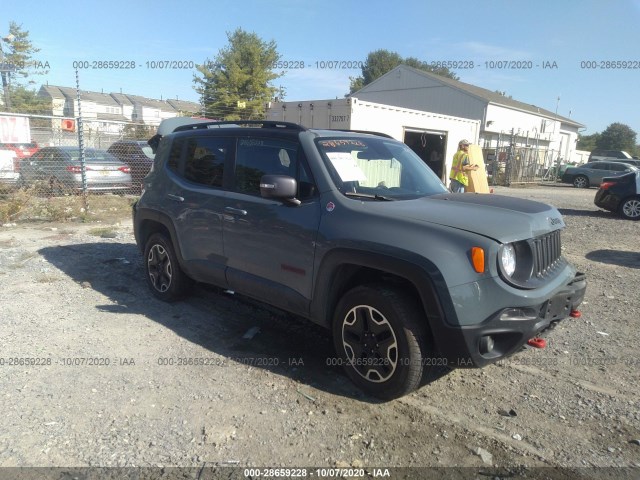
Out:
{"x": 9, "y": 169}
{"x": 23, "y": 150}
{"x": 135, "y": 153}
{"x": 591, "y": 174}
{"x": 356, "y": 233}
{"x": 609, "y": 155}
{"x": 630, "y": 161}
{"x": 620, "y": 195}
{"x": 59, "y": 168}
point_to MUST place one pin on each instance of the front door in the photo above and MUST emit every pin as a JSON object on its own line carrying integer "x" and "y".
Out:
{"x": 269, "y": 244}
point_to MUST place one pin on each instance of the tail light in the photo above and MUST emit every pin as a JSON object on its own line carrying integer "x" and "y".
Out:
{"x": 606, "y": 185}
{"x": 76, "y": 169}
{"x": 125, "y": 169}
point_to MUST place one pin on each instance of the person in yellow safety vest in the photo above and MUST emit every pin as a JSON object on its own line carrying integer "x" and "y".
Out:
{"x": 458, "y": 177}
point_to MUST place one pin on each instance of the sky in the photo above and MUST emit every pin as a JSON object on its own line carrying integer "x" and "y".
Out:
{"x": 579, "y": 41}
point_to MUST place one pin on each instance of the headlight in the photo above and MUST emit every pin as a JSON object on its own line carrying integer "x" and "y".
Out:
{"x": 508, "y": 259}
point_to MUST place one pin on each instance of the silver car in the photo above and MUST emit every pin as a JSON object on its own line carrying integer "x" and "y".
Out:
{"x": 59, "y": 170}
{"x": 591, "y": 174}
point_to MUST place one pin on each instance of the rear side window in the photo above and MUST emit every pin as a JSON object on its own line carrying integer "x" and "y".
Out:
{"x": 204, "y": 160}
{"x": 618, "y": 167}
{"x": 173, "y": 163}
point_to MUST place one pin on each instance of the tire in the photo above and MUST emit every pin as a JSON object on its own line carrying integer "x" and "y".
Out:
{"x": 165, "y": 277}
{"x": 380, "y": 338}
{"x": 581, "y": 182}
{"x": 630, "y": 208}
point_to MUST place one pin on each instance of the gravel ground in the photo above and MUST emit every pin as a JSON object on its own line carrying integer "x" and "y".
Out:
{"x": 95, "y": 372}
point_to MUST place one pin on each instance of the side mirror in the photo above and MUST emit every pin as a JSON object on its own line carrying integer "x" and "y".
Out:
{"x": 281, "y": 187}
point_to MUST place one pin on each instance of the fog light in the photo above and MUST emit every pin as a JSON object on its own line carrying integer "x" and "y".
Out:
{"x": 486, "y": 345}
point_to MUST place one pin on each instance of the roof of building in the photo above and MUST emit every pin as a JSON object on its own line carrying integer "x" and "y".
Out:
{"x": 120, "y": 99}
{"x": 184, "y": 106}
{"x": 161, "y": 105}
{"x": 482, "y": 93}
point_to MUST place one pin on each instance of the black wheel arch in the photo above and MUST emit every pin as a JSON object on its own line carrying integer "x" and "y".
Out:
{"x": 343, "y": 269}
{"x": 147, "y": 222}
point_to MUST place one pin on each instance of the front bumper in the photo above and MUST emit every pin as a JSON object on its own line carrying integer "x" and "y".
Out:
{"x": 507, "y": 330}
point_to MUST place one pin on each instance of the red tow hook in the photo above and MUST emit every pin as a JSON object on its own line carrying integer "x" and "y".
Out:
{"x": 537, "y": 342}
{"x": 575, "y": 314}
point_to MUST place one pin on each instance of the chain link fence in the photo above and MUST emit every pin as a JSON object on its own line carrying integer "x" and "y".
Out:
{"x": 519, "y": 165}
{"x": 47, "y": 177}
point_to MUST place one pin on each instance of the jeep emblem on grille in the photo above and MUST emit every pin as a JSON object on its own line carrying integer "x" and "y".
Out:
{"x": 555, "y": 221}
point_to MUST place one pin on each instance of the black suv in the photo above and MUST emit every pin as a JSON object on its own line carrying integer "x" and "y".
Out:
{"x": 356, "y": 233}
{"x": 609, "y": 155}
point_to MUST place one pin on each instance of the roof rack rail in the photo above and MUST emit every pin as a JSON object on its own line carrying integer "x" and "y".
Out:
{"x": 264, "y": 123}
{"x": 379, "y": 134}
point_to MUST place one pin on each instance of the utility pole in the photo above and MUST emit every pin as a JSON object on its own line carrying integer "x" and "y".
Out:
{"x": 5, "y": 70}
{"x": 553, "y": 135}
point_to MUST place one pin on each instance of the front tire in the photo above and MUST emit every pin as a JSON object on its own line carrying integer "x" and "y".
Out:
{"x": 165, "y": 277}
{"x": 380, "y": 338}
{"x": 581, "y": 182}
{"x": 630, "y": 208}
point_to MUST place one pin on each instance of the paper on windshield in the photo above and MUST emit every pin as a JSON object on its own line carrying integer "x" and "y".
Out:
{"x": 346, "y": 167}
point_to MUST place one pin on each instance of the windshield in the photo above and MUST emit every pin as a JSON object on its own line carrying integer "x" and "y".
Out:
{"x": 378, "y": 167}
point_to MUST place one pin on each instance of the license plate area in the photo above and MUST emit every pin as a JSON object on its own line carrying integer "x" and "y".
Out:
{"x": 557, "y": 308}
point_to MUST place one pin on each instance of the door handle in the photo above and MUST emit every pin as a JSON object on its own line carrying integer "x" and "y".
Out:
{"x": 235, "y": 211}
{"x": 177, "y": 198}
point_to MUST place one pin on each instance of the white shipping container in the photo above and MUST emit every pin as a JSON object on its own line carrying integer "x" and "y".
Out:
{"x": 434, "y": 137}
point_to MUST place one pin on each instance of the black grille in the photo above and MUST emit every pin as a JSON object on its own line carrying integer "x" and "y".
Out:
{"x": 546, "y": 252}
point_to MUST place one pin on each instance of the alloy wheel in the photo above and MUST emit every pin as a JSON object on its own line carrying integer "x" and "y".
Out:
{"x": 370, "y": 344}
{"x": 631, "y": 208}
{"x": 159, "y": 268}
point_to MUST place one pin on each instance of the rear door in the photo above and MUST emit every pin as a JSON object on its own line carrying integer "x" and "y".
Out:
{"x": 269, "y": 244}
{"x": 597, "y": 170}
{"x": 194, "y": 198}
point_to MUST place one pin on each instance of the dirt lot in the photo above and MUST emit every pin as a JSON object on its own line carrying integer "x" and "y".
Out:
{"x": 96, "y": 372}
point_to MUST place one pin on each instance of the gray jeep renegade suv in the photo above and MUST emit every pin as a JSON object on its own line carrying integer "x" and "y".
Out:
{"x": 354, "y": 232}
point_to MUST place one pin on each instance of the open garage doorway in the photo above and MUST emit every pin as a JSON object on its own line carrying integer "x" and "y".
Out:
{"x": 430, "y": 147}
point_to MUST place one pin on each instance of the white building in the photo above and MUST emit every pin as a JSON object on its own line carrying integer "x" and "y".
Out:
{"x": 503, "y": 120}
{"x": 434, "y": 137}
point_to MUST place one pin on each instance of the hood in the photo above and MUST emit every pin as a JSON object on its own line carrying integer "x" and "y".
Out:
{"x": 505, "y": 219}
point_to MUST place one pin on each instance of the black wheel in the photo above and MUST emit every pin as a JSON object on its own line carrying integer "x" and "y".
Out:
{"x": 165, "y": 277}
{"x": 581, "y": 182}
{"x": 379, "y": 334}
{"x": 630, "y": 208}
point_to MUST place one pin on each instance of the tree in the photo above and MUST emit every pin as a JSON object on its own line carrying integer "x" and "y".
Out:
{"x": 588, "y": 142}
{"x": 617, "y": 136}
{"x": 237, "y": 84}
{"x": 18, "y": 53}
{"x": 382, "y": 61}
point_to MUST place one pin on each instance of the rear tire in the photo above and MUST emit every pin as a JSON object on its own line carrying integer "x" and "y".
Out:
{"x": 380, "y": 338}
{"x": 630, "y": 208}
{"x": 165, "y": 277}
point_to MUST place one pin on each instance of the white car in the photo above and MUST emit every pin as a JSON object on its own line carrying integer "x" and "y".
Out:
{"x": 9, "y": 168}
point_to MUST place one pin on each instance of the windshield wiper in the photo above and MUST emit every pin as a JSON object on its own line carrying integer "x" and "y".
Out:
{"x": 381, "y": 198}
